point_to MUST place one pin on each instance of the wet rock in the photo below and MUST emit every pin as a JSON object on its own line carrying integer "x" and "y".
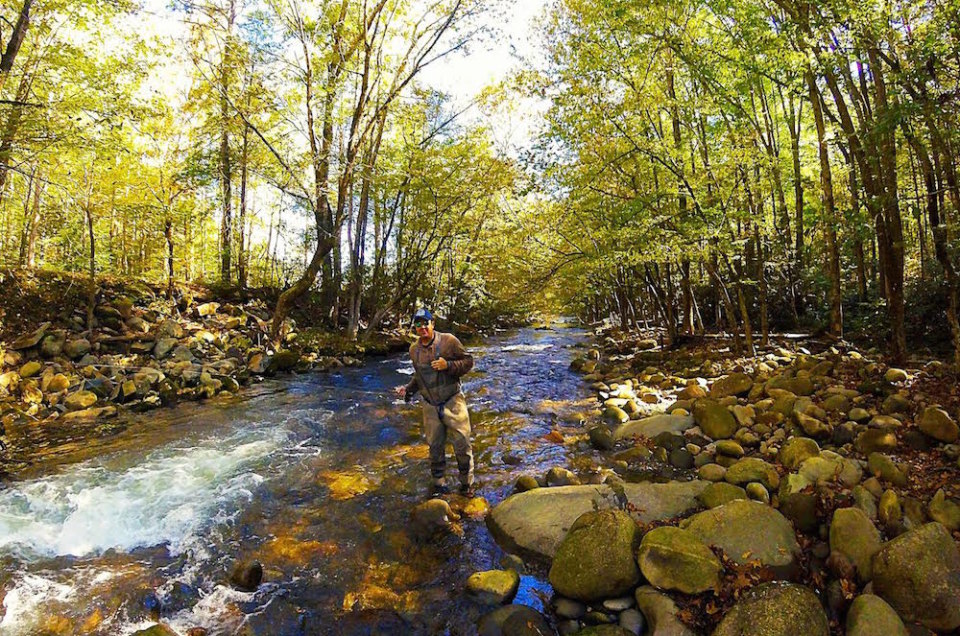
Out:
{"x": 660, "y": 613}
{"x": 557, "y": 476}
{"x": 720, "y": 493}
{"x": 854, "y": 535}
{"x": 796, "y": 450}
{"x": 534, "y": 522}
{"x": 870, "y": 615}
{"x": 525, "y": 483}
{"x": 89, "y": 414}
{"x": 733, "y": 384}
{"x": 595, "y": 559}
{"x": 674, "y": 559}
{"x": 601, "y": 438}
{"x": 80, "y": 400}
{"x": 715, "y": 420}
{"x": 749, "y": 528}
{"x": 431, "y": 517}
{"x": 494, "y": 587}
{"x": 652, "y": 426}
{"x": 246, "y": 577}
{"x": 945, "y": 511}
{"x": 918, "y": 574}
{"x": 615, "y": 415}
{"x": 938, "y": 424}
{"x": 775, "y": 609}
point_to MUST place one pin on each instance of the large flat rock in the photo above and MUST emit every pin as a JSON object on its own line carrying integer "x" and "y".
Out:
{"x": 533, "y": 523}
{"x": 654, "y": 425}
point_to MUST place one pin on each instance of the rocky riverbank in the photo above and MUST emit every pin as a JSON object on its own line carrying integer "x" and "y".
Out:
{"x": 144, "y": 351}
{"x": 807, "y": 494}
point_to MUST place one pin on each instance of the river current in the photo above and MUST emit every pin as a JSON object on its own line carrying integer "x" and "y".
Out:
{"x": 314, "y": 476}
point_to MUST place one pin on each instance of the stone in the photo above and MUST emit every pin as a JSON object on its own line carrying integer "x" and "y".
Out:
{"x": 712, "y": 472}
{"x": 632, "y": 621}
{"x": 80, "y": 400}
{"x": 601, "y": 438}
{"x": 30, "y": 369}
{"x": 595, "y": 559}
{"x": 938, "y": 424}
{"x": 865, "y": 501}
{"x": 557, "y": 476}
{"x": 715, "y": 420}
{"x": 681, "y": 458}
{"x": 568, "y": 608}
{"x": 164, "y": 346}
{"x": 854, "y": 535}
{"x": 797, "y": 386}
{"x": 896, "y": 403}
{"x": 76, "y": 349}
{"x": 801, "y": 509}
{"x": 87, "y": 415}
{"x": 674, "y": 559}
{"x": 525, "y": 483}
{"x": 691, "y": 392}
{"x": 753, "y": 469}
{"x": 729, "y": 448}
{"x": 156, "y": 630}
{"x": 775, "y": 609}
{"x": 533, "y": 523}
{"x": 431, "y": 517}
{"x": 654, "y": 425}
{"x": 745, "y": 415}
{"x": 660, "y": 612}
{"x": 858, "y": 414}
{"x": 796, "y": 450}
{"x": 513, "y": 620}
{"x": 837, "y": 404}
{"x": 721, "y": 493}
{"x": 52, "y": 344}
{"x": 604, "y": 630}
{"x": 31, "y": 339}
{"x": 747, "y": 531}
{"x": 207, "y": 309}
{"x": 870, "y": 615}
{"x": 733, "y": 384}
{"x": 885, "y": 422}
{"x": 493, "y": 587}
{"x": 883, "y": 467}
{"x": 918, "y": 574}
{"x": 757, "y": 492}
{"x": 945, "y": 511}
{"x": 246, "y": 577}
{"x": 615, "y": 415}
{"x": 889, "y": 511}
{"x": 876, "y": 440}
{"x": 812, "y": 426}
{"x": 283, "y": 360}
{"x": 895, "y": 375}
{"x": 58, "y": 383}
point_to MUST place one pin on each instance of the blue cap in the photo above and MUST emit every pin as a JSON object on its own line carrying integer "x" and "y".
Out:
{"x": 422, "y": 314}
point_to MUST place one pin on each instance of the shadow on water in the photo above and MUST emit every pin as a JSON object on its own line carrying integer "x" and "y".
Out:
{"x": 314, "y": 477}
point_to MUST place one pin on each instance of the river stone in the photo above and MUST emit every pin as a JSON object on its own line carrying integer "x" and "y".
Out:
{"x": 889, "y": 511}
{"x": 674, "y": 559}
{"x": 796, "y": 450}
{"x": 870, "y": 615}
{"x": 797, "y": 386}
{"x": 938, "y": 424}
{"x": 747, "y": 531}
{"x": 80, "y": 400}
{"x": 431, "y": 517}
{"x": 164, "y": 346}
{"x": 654, "y": 425}
{"x": 753, "y": 469}
{"x": 57, "y": 383}
{"x": 757, "y": 492}
{"x": 514, "y": 620}
{"x": 854, "y": 535}
{"x": 945, "y": 511}
{"x": 557, "y": 476}
{"x": 837, "y": 404}
{"x": 660, "y": 612}
{"x": 811, "y": 426}
{"x": 615, "y": 415}
{"x": 284, "y": 360}
{"x": 719, "y": 493}
{"x": 864, "y": 500}
{"x": 918, "y": 574}
{"x": 525, "y": 483}
{"x": 601, "y": 438}
{"x": 604, "y": 630}
{"x": 730, "y": 448}
{"x": 52, "y": 344}
{"x": 533, "y": 523}
{"x": 632, "y": 621}
{"x": 595, "y": 560}
{"x": 775, "y": 609}
{"x": 715, "y": 420}
{"x": 156, "y": 630}
{"x": 712, "y": 472}
{"x": 31, "y": 339}
{"x": 883, "y": 467}
{"x": 691, "y": 392}
{"x": 246, "y": 577}
{"x": 493, "y": 587}
{"x": 876, "y": 440}
{"x": 733, "y": 384}
{"x": 895, "y": 375}
{"x": 858, "y": 414}
{"x": 896, "y": 403}
{"x": 568, "y": 608}
{"x": 30, "y": 369}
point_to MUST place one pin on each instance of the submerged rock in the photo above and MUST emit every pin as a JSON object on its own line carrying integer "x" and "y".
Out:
{"x": 494, "y": 587}
{"x": 246, "y": 577}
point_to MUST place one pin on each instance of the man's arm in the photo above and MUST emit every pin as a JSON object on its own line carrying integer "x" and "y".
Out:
{"x": 459, "y": 362}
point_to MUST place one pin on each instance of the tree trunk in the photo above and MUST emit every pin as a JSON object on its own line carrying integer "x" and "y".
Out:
{"x": 226, "y": 220}
{"x": 242, "y": 248}
{"x": 16, "y": 39}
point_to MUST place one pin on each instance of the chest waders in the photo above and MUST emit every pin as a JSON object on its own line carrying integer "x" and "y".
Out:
{"x": 437, "y": 386}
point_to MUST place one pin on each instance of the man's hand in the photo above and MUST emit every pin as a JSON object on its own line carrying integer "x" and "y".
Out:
{"x": 439, "y": 364}
{"x": 400, "y": 391}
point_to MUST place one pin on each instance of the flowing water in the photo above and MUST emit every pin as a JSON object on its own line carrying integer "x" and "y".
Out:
{"x": 313, "y": 476}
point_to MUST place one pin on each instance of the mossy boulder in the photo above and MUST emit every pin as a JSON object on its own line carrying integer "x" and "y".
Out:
{"x": 596, "y": 558}
{"x": 797, "y": 386}
{"x": 733, "y": 384}
{"x": 674, "y": 559}
{"x": 776, "y": 609}
{"x": 719, "y": 493}
{"x": 883, "y": 467}
{"x": 918, "y": 574}
{"x": 752, "y": 469}
{"x": 796, "y": 450}
{"x": 715, "y": 420}
{"x": 854, "y": 535}
{"x": 870, "y": 615}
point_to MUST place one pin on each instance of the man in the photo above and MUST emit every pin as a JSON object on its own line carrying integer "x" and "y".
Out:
{"x": 439, "y": 361}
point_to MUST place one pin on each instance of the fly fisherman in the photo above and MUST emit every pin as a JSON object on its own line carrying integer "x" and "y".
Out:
{"x": 439, "y": 360}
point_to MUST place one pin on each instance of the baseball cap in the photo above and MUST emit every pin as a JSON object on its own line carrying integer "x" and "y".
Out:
{"x": 422, "y": 314}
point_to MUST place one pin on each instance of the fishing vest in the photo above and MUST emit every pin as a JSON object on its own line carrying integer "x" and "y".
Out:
{"x": 436, "y": 386}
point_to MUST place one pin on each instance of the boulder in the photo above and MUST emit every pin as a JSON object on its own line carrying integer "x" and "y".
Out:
{"x": 284, "y": 360}
{"x": 883, "y": 467}
{"x": 938, "y": 424}
{"x": 715, "y": 420}
{"x": 776, "y": 609}
{"x": 615, "y": 415}
{"x": 493, "y": 587}
{"x": 748, "y": 531}
{"x": 654, "y": 425}
{"x": 533, "y": 523}
{"x": 721, "y": 493}
{"x": 896, "y": 403}
{"x": 869, "y": 615}
{"x": 876, "y": 440}
{"x": 733, "y": 384}
{"x": 514, "y": 620}
{"x": 797, "y": 386}
{"x": 918, "y": 574}
{"x": 945, "y": 511}
{"x": 31, "y": 339}
{"x": 753, "y": 469}
{"x": 80, "y": 400}
{"x": 796, "y": 450}
{"x": 854, "y": 535}
{"x": 811, "y": 426}
{"x": 895, "y": 375}
{"x": 557, "y": 476}
{"x": 595, "y": 559}
{"x": 674, "y": 559}
{"x": 660, "y": 612}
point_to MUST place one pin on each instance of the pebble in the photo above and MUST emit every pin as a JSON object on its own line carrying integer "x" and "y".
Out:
{"x": 618, "y": 604}
{"x": 568, "y": 608}
{"x": 632, "y": 621}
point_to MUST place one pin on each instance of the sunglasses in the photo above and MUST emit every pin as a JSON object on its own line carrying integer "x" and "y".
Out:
{"x": 420, "y": 324}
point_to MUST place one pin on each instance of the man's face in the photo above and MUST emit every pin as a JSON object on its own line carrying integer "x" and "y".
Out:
{"x": 424, "y": 328}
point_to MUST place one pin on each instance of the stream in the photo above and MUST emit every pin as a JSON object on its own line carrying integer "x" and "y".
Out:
{"x": 314, "y": 476}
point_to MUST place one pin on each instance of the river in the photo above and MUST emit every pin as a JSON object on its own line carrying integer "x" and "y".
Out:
{"x": 314, "y": 476}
